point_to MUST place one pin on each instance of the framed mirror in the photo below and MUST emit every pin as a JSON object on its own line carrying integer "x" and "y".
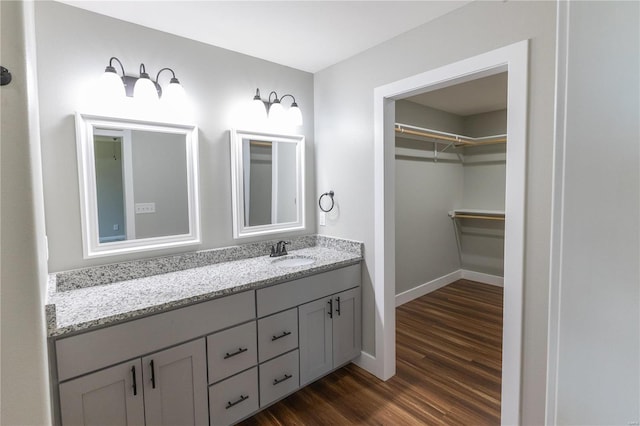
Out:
{"x": 138, "y": 185}
{"x": 267, "y": 171}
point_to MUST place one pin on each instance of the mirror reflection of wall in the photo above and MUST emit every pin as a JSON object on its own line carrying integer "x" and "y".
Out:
{"x": 270, "y": 184}
{"x": 141, "y": 184}
{"x": 109, "y": 188}
{"x": 160, "y": 178}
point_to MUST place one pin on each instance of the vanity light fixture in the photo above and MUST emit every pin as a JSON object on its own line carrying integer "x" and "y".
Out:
{"x": 143, "y": 88}
{"x": 273, "y": 110}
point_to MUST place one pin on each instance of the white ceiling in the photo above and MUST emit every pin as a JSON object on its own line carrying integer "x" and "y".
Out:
{"x": 307, "y": 35}
{"x": 473, "y": 97}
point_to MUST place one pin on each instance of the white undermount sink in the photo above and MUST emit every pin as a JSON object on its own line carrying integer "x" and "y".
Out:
{"x": 293, "y": 261}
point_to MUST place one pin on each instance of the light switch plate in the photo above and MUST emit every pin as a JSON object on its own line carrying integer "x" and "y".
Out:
{"x": 142, "y": 208}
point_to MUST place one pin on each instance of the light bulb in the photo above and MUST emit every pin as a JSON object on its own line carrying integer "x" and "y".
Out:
{"x": 294, "y": 115}
{"x": 174, "y": 95}
{"x": 277, "y": 114}
{"x": 111, "y": 86}
{"x": 256, "y": 111}
{"x": 110, "y": 92}
{"x": 174, "y": 100}
{"x": 145, "y": 91}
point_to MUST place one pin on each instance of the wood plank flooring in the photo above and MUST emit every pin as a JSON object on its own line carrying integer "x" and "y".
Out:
{"x": 448, "y": 370}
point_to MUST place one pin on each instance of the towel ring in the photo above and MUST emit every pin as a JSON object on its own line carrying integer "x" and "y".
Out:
{"x": 330, "y": 195}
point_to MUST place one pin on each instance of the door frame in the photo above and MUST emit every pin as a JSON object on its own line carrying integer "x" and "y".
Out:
{"x": 514, "y": 59}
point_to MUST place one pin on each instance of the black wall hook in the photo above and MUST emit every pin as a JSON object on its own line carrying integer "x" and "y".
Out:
{"x": 5, "y": 76}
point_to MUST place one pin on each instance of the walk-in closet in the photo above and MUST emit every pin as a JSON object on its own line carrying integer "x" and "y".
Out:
{"x": 450, "y": 162}
{"x": 450, "y": 185}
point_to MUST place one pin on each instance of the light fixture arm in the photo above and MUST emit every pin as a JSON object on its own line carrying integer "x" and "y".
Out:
{"x": 173, "y": 74}
{"x": 291, "y": 96}
{"x": 111, "y": 68}
{"x": 143, "y": 72}
{"x": 276, "y": 100}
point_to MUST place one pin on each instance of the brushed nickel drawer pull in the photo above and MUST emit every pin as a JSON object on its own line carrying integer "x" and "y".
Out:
{"x": 278, "y": 381}
{"x": 238, "y": 352}
{"x": 284, "y": 334}
{"x": 231, "y": 404}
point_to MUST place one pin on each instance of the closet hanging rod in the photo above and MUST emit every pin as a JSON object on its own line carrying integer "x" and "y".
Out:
{"x": 477, "y": 214}
{"x": 470, "y": 216}
{"x": 448, "y": 138}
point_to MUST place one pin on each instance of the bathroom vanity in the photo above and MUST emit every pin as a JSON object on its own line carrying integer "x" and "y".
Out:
{"x": 211, "y": 344}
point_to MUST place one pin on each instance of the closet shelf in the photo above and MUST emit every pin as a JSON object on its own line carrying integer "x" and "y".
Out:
{"x": 449, "y": 139}
{"x": 477, "y": 214}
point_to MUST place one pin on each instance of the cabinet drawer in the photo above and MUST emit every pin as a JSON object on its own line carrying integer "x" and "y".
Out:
{"x": 234, "y": 398}
{"x": 231, "y": 351}
{"x": 96, "y": 349}
{"x": 277, "y": 334}
{"x": 278, "y": 377}
{"x": 293, "y": 293}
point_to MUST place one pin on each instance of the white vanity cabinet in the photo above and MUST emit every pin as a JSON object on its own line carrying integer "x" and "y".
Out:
{"x": 330, "y": 333}
{"x": 329, "y": 318}
{"x": 111, "y": 396}
{"x": 160, "y": 372}
{"x": 215, "y": 362}
{"x": 166, "y": 388}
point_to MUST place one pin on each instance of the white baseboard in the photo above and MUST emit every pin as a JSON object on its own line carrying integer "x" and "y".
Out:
{"x": 483, "y": 278}
{"x": 366, "y": 361}
{"x": 422, "y": 289}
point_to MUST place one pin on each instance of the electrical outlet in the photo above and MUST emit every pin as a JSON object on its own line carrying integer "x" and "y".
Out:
{"x": 142, "y": 208}
{"x": 116, "y": 226}
{"x": 323, "y": 219}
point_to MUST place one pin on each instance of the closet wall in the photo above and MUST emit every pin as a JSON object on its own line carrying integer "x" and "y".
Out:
{"x": 426, "y": 247}
{"x": 426, "y": 190}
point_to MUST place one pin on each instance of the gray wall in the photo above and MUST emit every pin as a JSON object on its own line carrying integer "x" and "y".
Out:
{"x": 160, "y": 176}
{"x": 287, "y": 202}
{"x": 408, "y": 112}
{"x": 24, "y": 398}
{"x": 426, "y": 246}
{"x": 260, "y": 178}
{"x": 77, "y": 44}
{"x": 109, "y": 189}
{"x": 598, "y": 371}
{"x": 485, "y": 124}
{"x": 344, "y": 149}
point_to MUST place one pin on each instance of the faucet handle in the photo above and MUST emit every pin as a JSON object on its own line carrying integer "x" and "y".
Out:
{"x": 284, "y": 246}
{"x": 273, "y": 251}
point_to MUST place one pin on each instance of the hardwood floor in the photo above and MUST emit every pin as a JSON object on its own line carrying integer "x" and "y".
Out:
{"x": 448, "y": 370}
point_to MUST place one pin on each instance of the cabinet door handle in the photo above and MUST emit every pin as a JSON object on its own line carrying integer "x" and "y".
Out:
{"x": 285, "y": 378}
{"x": 238, "y": 352}
{"x": 330, "y": 302}
{"x": 284, "y": 334}
{"x": 135, "y": 382}
{"x": 231, "y": 404}
{"x": 338, "y": 305}
{"x": 153, "y": 375}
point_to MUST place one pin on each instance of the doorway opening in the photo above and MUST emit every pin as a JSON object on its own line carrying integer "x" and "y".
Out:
{"x": 513, "y": 60}
{"x": 450, "y": 171}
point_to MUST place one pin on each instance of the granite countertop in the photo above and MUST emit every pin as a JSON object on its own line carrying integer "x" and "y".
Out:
{"x": 81, "y": 309}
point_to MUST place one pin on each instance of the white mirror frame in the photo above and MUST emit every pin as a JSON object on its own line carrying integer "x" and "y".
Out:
{"x": 237, "y": 183}
{"x": 85, "y": 125}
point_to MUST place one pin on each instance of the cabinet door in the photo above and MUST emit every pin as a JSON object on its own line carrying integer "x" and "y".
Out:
{"x": 175, "y": 385}
{"x": 347, "y": 335}
{"x": 314, "y": 321}
{"x": 108, "y": 397}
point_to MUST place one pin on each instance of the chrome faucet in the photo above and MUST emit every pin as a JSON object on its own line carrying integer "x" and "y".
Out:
{"x": 280, "y": 249}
